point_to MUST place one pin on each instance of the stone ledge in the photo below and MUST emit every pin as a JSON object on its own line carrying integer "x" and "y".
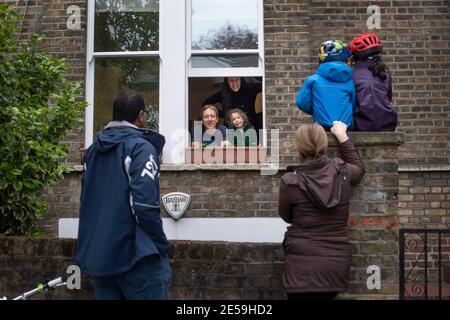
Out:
{"x": 360, "y": 139}
{"x": 424, "y": 167}
{"x": 256, "y": 167}
{"x": 76, "y": 168}
{"x": 371, "y": 138}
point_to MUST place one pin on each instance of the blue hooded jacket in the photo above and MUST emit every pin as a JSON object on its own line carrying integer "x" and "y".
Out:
{"x": 120, "y": 209}
{"x": 329, "y": 94}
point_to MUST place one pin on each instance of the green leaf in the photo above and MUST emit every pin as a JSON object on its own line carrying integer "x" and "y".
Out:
{"x": 17, "y": 185}
{"x": 16, "y": 172}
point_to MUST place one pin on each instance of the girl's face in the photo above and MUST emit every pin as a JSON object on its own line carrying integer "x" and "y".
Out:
{"x": 234, "y": 84}
{"x": 237, "y": 120}
{"x": 209, "y": 119}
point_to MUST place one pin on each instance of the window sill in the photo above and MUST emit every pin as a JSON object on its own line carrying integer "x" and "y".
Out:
{"x": 226, "y": 156}
{"x": 219, "y": 167}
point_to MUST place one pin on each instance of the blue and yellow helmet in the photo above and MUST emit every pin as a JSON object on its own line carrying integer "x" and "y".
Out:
{"x": 334, "y": 50}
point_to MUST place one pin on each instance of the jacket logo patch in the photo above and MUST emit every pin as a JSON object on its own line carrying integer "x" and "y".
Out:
{"x": 176, "y": 204}
{"x": 151, "y": 168}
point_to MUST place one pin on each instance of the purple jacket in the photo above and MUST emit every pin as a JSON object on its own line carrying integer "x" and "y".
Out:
{"x": 374, "y": 110}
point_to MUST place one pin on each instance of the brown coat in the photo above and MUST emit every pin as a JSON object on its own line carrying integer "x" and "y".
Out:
{"x": 316, "y": 246}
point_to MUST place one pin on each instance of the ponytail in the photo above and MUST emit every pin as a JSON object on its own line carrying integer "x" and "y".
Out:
{"x": 379, "y": 69}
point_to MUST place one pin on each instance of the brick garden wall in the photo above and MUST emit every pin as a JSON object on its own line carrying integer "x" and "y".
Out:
{"x": 201, "y": 270}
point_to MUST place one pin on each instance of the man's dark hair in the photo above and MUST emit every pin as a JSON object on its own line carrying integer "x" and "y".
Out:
{"x": 127, "y": 106}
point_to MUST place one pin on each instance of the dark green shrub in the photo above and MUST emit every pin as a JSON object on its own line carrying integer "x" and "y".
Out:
{"x": 37, "y": 108}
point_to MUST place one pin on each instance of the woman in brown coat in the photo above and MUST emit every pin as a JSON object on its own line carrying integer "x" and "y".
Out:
{"x": 314, "y": 199}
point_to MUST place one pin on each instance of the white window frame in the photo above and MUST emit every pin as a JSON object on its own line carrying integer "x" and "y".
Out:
{"x": 90, "y": 69}
{"x": 174, "y": 72}
{"x": 226, "y": 72}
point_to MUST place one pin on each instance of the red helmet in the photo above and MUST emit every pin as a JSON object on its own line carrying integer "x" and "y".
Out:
{"x": 365, "y": 45}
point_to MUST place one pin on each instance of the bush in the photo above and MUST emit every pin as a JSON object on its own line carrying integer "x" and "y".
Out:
{"x": 37, "y": 108}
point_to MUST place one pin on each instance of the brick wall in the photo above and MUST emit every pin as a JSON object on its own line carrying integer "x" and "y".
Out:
{"x": 416, "y": 40}
{"x": 63, "y": 201}
{"x": 424, "y": 199}
{"x": 201, "y": 270}
{"x": 26, "y": 262}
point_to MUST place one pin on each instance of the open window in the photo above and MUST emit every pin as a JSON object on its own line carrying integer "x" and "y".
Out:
{"x": 225, "y": 41}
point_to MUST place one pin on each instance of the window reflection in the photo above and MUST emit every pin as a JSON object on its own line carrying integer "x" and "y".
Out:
{"x": 115, "y": 74}
{"x": 126, "y": 25}
{"x": 224, "y": 24}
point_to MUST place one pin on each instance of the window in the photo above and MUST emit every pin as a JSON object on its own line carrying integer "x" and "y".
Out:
{"x": 123, "y": 53}
{"x": 225, "y": 39}
{"x": 174, "y": 53}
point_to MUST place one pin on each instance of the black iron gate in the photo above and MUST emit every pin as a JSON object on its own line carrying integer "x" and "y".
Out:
{"x": 424, "y": 264}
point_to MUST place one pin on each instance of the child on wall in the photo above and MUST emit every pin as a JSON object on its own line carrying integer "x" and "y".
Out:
{"x": 243, "y": 132}
{"x": 374, "y": 110}
{"x": 329, "y": 94}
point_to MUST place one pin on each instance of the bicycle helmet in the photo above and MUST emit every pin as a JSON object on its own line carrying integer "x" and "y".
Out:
{"x": 365, "y": 45}
{"x": 333, "y": 50}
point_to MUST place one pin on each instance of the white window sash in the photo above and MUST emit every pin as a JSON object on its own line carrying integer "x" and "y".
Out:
{"x": 225, "y": 72}
{"x": 90, "y": 70}
{"x": 90, "y": 73}
{"x": 173, "y": 115}
{"x": 224, "y": 52}
{"x": 125, "y": 54}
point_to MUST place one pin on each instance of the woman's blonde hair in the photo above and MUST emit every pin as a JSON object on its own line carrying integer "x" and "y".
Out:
{"x": 311, "y": 141}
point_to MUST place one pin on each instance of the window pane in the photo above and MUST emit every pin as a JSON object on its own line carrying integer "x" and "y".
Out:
{"x": 115, "y": 74}
{"x": 225, "y": 61}
{"x": 126, "y": 25}
{"x": 224, "y": 24}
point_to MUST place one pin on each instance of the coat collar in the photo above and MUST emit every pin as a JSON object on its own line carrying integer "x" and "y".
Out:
{"x": 311, "y": 165}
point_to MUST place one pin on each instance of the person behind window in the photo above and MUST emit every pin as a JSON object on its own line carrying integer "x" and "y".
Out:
{"x": 244, "y": 135}
{"x": 315, "y": 198}
{"x": 329, "y": 94}
{"x": 121, "y": 241}
{"x": 374, "y": 110}
{"x": 237, "y": 93}
{"x": 210, "y": 133}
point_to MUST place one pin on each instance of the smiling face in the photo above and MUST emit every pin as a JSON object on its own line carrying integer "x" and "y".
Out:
{"x": 209, "y": 118}
{"x": 234, "y": 84}
{"x": 237, "y": 120}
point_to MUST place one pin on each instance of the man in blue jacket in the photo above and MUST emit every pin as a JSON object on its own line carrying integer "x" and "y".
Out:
{"x": 329, "y": 94}
{"x": 121, "y": 242}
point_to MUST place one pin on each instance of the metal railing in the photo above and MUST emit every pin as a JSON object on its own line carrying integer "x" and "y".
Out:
{"x": 417, "y": 242}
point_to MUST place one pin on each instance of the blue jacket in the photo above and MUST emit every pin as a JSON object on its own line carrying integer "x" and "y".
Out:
{"x": 120, "y": 209}
{"x": 329, "y": 94}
